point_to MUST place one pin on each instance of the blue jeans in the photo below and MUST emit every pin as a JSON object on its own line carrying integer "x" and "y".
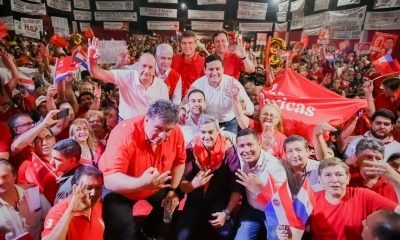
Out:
{"x": 230, "y": 126}
{"x": 252, "y": 224}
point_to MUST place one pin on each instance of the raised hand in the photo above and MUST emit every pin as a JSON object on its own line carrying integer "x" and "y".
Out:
{"x": 93, "y": 49}
{"x": 52, "y": 91}
{"x": 201, "y": 178}
{"x": 219, "y": 221}
{"x": 232, "y": 91}
{"x": 323, "y": 127}
{"x": 250, "y": 181}
{"x": 80, "y": 198}
{"x": 240, "y": 49}
{"x": 368, "y": 87}
{"x": 153, "y": 179}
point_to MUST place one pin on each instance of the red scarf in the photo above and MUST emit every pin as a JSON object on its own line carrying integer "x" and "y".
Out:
{"x": 206, "y": 158}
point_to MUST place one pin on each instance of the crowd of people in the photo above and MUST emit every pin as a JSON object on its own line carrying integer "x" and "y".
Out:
{"x": 184, "y": 131}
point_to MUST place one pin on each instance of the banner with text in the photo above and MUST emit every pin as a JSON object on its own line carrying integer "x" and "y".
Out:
{"x": 281, "y": 16}
{"x": 321, "y": 5}
{"x": 201, "y": 14}
{"x": 362, "y": 48}
{"x": 84, "y": 26}
{"x": 255, "y": 27}
{"x": 382, "y": 44}
{"x": 382, "y": 20}
{"x": 80, "y": 15}
{"x": 109, "y": 50}
{"x": 61, "y": 5}
{"x": 281, "y": 27}
{"x": 32, "y": 27}
{"x": 347, "y": 2}
{"x": 118, "y": 26}
{"x": 347, "y": 24}
{"x": 163, "y": 25}
{"x": 386, "y": 4}
{"x": 207, "y": 26}
{"x": 28, "y": 8}
{"x": 114, "y": 5}
{"x": 297, "y": 5}
{"x": 210, "y": 2}
{"x": 163, "y": 1}
{"x": 158, "y": 12}
{"x": 283, "y": 7}
{"x": 9, "y": 21}
{"x": 82, "y": 4}
{"x": 252, "y": 10}
{"x": 314, "y": 23}
{"x": 261, "y": 39}
{"x": 60, "y": 25}
{"x": 115, "y": 16}
{"x": 297, "y": 20}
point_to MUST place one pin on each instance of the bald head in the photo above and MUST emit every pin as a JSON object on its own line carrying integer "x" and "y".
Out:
{"x": 146, "y": 68}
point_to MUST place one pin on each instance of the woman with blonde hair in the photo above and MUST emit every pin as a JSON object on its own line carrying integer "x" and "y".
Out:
{"x": 92, "y": 149}
{"x": 269, "y": 126}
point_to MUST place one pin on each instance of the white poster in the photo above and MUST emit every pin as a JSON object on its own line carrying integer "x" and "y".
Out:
{"x": 207, "y": 26}
{"x": 283, "y": 7}
{"x": 209, "y": 2}
{"x": 347, "y": 2}
{"x": 346, "y": 24}
{"x": 163, "y": 25}
{"x": 321, "y": 5}
{"x": 80, "y": 15}
{"x": 281, "y": 27}
{"x": 60, "y": 25}
{"x": 163, "y": 1}
{"x": 18, "y": 27}
{"x": 122, "y": 26}
{"x": 1, "y": 2}
{"x": 84, "y": 26}
{"x": 200, "y": 14}
{"x": 297, "y": 5}
{"x": 109, "y": 50}
{"x": 32, "y": 27}
{"x": 82, "y": 4}
{"x": 386, "y": 4}
{"x": 255, "y": 27}
{"x": 28, "y": 8}
{"x": 115, "y": 16}
{"x": 261, "y": 39}
{"x": 281, "y": 16}
{"x": 9, "y": 21}
{"x": 389, "y": 20}
{"x": 74, "y": 26}
{"x": 114, "y": 5}
{"x": 297, "y": 20}
{"x": 36, "y": 1}
{"x": 252, "y": 10}
{"x": 314, "y": 23}
{"x": 158, "y": 12}
{"x": 62, "y": 5}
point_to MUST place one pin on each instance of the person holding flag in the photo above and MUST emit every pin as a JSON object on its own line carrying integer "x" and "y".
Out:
{"x": 261, "y": 174}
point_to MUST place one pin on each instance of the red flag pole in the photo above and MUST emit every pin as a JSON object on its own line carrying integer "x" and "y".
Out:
{"x": 44, "y": 165}
{"x": 266, "y": 59}
{"x": 386, "y": 75}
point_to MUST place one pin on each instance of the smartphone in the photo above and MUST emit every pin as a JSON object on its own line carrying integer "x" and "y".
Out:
{"x": 62, "y": 114}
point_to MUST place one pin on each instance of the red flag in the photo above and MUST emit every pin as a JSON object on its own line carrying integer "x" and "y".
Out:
{"x": 387, "y": 65}
{"x": 268, "y": 191}
{"x": 64, "y": 67}
{"x": 39, "y": 172}
{"x": 304, "y": 104}
{"x": 89, "y": 33}
{"x": 3, "y": 30}
{"x": 59, "y": 41}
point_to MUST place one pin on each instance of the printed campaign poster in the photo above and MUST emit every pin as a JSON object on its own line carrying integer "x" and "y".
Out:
{"x": 382, "y": 44}
{"x": 324, "y": 35}
{"x": 386, "y": 4}
{"x": 362, "y": 48}
{"x": 262, "y": 39}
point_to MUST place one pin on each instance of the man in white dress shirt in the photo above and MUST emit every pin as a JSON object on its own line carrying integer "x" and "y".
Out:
{"x": 138, "y": 88}
{"x": 215, "y": 85}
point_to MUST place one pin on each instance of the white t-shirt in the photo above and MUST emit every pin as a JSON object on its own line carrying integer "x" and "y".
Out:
{"x": 392, "y": 146}
{"x": 266, "y": 164}
{"x": 189, "y": 130}
{"x": 218, "y": 103}
{"x": 134, "y": 99}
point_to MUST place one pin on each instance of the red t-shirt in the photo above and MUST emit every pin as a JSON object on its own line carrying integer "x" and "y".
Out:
{"x": 381, "y": 101}
{"x": 233, "y": 65}
{"x": 129, "y": 152}
{"x": 383, "y": 187}
{"x": 81, "y": 226}
{"x": 279, "y": 138}
{"x": 344, "y": 220}
{"x": 23, "y": 155}
{"x": 5, "y": 137}
{"x": 189, "y": 71}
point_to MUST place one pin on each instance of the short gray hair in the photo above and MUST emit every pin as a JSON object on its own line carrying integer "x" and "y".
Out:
{"x": 206, "y": 119}
{"x": 164, "y": 47}
{"x": 370, "y": 144}
{"x": 165, "y": 110}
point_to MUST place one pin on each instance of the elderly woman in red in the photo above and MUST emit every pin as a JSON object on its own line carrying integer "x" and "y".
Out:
{"x": 340, "y": 210}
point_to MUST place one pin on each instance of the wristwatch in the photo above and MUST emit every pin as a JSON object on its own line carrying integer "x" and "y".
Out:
{"x": 227, "y": 214}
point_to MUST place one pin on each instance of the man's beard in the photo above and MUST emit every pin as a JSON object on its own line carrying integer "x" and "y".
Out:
{"x": 380, "y": 137}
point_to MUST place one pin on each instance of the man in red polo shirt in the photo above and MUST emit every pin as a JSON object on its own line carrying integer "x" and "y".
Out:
{"x": 80, "y": 215}
{"x": 389, "y": 99}
{"x": 189, "y": 64}
{"x": 373, "y": 172}
{"x": 144, "y": 159}
{"x": 233, "y": 62}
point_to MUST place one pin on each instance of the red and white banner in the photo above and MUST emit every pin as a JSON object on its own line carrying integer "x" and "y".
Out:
{"x": 61, "y": 5}
{"x": 210, "y": 2}
{"x": 64, "y": 67}
{"x": 382, "y": 44}
{"x": 304, "y": 104}
{"x": 324, "y": 36}
{"x": 252, "y": 10}
{"x": 80, "y": 15}
{"x": 347, "y": 24}
{"x": 261, "y": 39}
{"x": 118, "y": 26}
{"x": 255, "y": 27}
{"x": 362, "y": 48}
{"x": 163, "y": 1}
{"x": 114, "y": 5}
{"x": 201, "y": 14}
{"x": 163, "y": 25}
{"x": 32, "y": 27}
{"x": 115, "y": 16}
{"x": 207, "y": 26}
{"x": 28, "y": 8}
{"x": 386, "y": 4}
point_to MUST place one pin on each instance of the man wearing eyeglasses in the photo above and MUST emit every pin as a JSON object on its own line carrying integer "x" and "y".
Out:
{"x": 24, "y": 131}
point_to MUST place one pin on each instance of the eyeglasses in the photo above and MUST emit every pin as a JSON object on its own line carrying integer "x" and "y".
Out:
{"x": 27, "y": 124}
